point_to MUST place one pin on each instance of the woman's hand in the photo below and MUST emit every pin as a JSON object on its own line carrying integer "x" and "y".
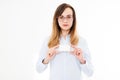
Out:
{"x": 51, "y": 54}
{"x": 78, "y": 53}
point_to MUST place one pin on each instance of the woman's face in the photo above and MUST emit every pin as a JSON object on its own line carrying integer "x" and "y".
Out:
{"x": 65, "y": 21}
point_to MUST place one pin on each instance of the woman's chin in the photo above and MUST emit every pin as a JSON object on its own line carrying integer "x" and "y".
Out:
{"x": 65, "y": 28}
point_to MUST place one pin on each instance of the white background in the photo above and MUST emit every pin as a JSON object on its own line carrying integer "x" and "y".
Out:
{"x": 24, "y": 24}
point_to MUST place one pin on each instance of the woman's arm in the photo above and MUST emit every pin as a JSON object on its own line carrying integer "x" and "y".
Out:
{"x": 87, "y": 68}
{"x": 40, "y": 66}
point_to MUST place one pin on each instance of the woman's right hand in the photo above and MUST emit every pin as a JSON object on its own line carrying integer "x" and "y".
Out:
{"x": 51, "y": 54}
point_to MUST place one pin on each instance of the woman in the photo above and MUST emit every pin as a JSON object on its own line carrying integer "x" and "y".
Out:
{"x": 66, "y": 64}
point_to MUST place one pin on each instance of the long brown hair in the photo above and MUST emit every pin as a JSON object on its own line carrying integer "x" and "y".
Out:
{"x": 54, "y": 39}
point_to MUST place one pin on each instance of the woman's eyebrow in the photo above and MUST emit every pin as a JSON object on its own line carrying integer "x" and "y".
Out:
{"x": 67, "y": 15}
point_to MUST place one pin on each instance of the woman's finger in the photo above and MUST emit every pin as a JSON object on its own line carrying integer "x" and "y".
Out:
{"x": 78, "y": 53}
{"x": 50, "y": 54}
{"x": 55, "y": 46}
{"x": 72, "y": 52}
{"x": 73, "y": 46}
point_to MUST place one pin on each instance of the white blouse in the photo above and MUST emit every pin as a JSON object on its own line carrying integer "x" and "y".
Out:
{"x": 65, "y": 66}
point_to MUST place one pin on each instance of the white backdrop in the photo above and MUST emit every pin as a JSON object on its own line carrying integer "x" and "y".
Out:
{"x": 24, "y": 24}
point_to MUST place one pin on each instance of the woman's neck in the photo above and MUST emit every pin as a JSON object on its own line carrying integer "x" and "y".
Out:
{"x": 64, "y": 33}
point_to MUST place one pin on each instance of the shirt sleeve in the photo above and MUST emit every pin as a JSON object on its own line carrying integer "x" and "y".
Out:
{"x": 88, "y": 67}
{"x": 40, "y": 67}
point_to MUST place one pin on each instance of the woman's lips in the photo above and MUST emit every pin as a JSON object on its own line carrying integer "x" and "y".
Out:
{"x": 65, "y": 24}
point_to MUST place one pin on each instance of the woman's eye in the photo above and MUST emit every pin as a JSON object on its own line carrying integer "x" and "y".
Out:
{"x": 69, "y": 17}
{"x": 61, "y": 17}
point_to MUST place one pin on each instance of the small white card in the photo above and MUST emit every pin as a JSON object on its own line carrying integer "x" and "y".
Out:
{"x": 64, "y": 48}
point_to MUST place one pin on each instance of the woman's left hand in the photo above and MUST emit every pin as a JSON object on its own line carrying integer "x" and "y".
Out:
{"x": 78, "y": 53}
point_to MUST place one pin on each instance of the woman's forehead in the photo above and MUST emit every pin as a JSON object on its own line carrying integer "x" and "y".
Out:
{"x": 67, "y": 11}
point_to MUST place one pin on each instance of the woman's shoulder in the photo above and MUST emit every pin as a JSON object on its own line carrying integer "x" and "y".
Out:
{"x": 82, "y": 40}
{"x": 46, "y": 39}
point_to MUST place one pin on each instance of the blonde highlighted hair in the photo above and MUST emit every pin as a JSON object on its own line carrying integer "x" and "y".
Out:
{"x": 56, "y": 30}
